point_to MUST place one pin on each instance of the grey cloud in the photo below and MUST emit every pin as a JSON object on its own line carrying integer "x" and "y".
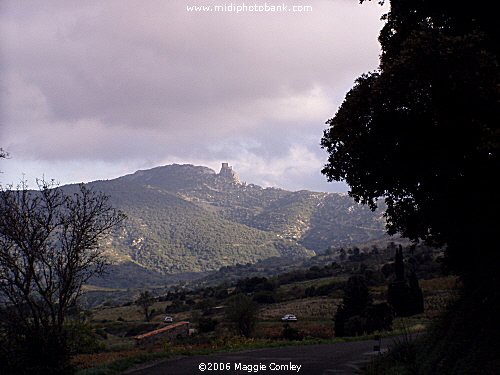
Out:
{"x": 148, "y": 80}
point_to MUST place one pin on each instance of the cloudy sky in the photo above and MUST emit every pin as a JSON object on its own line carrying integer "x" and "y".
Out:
{"x": 100, "y": 88}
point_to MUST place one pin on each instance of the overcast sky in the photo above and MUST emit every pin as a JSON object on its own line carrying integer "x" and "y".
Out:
{"x": 97, "y": 89}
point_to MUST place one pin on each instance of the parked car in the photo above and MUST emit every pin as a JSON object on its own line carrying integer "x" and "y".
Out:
{"x": 289, "y": 318}
{"x": 168, "y": 319}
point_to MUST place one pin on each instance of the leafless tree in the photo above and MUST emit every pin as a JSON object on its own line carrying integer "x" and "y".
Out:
{"x": 50, "y": 245}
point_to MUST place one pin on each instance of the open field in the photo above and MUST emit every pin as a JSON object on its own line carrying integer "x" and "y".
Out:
{"x": 306, "y": 309}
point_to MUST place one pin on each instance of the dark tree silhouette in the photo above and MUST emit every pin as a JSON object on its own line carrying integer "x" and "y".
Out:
{"x": 49, "y": 247}
{"x": 357, "y": 314}
{"x": 404, "y": 294}
{"x": 356, "y": 296}
{"x": 145, "y": 301}
{"x": 422, "y": 132}
{"x": 399, "y": 265}
{"x": 417, "y": 297}
{"x": 339, "y": 321}
{"x": 242, "y": 310}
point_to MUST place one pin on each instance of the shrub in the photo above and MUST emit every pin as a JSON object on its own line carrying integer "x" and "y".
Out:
{"x": 264, "y": 297}
{"x": 378, "y": 317}
{"x": 207, "y": 324}
{"x": 355, "y": 325}
{"x": 291, "y": 333}
{"x": 81, "y": 339}
{"x": 35, "y": 354}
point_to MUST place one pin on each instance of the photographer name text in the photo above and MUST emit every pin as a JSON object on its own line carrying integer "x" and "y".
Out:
{"x": 250, "y": 368}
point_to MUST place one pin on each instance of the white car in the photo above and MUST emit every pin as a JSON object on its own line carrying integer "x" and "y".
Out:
{"x": 168, "y": 319}
{"x": 289, "y": 318}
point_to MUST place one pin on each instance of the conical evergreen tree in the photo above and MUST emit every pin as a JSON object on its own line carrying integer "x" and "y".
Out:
{"x": 399, "y": 264}
{"x": 356, "y": 296}
{"x": 405, "y": 296}
{"x": 417, "y": 297}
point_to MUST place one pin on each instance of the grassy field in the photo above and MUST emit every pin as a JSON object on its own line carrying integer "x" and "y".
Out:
{"x": 306, "y": 309}
{"x": 130, "y": 313}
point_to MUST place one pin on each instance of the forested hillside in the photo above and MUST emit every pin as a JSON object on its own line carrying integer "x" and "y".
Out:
{"x": 184, "y": 218}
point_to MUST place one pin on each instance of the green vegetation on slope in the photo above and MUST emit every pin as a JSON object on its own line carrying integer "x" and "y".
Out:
{"x": 184, "y": 218}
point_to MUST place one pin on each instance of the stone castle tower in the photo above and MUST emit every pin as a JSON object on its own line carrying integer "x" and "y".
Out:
{"x": 228, "y": 174}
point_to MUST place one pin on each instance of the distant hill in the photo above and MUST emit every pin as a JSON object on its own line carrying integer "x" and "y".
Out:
{"x": 185, "y": 218}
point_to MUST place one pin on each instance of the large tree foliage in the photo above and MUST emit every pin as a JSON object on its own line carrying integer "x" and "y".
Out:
{"x": 242, "y": 310}
{"x": 50, "y": 245}
{"x": 422, "y": 130}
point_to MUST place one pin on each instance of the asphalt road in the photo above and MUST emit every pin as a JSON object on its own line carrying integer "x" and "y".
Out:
{"x": 341, "y": 358}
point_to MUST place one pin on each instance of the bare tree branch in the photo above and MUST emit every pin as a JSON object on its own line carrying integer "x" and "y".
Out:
{"x": 50, "y": 245}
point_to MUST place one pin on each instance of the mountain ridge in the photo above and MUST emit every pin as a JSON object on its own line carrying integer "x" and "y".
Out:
{"x": 187, "y": 218}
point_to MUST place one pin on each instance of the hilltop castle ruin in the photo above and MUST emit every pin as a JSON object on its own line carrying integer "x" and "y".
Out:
{"x": 228, "y": 174}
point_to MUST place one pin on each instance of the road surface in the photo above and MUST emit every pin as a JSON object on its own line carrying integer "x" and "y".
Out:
{"x": 341, "y": 358}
